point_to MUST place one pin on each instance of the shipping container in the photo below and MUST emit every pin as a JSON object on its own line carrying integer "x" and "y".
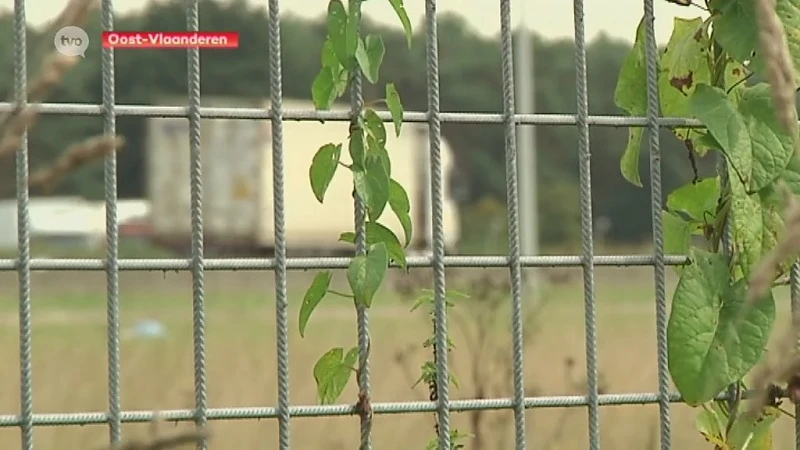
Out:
{"x": 238, "y": 183}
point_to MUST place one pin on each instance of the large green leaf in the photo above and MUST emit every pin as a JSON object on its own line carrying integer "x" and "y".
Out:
{"x": 677, "y": 235}
{"x": 369, "y": 55}
{"x": 398, "y": 201}
{"x": 747, "y": 218}
{"x": 711, "y": 423}
{"x": 631, "y": 96}
{"x": 770, "y": 143}
{"x": 366, "y": 273}
{"x": 697, "y": 200}
{"x": 711, "y": 106}
{"x": 400, "y": 10}
{"x": 375, "y": 233}
{"x": 736, "y": 28}
{"x": 731, "y": 131}
{"x": 324, "y": 89}
{"x": 314, "y": 295}
{"x": 332, "y": 372}
{"x": 791, "y": 175}
{"x": 753, "y": 433}
{"x": 395, "y": 107}
{"x": 356, "y": 146}
{"x": 710, "y": 344}
{"x": 374, "y": 126}
{"x": 772, "y": 208}
{"x": 682, "y": 67}
{"x": 337, "y": 31}
{"x": 372, "y": 186}
{"x": 323, "y": 168}
{"x": 352, "y": 31}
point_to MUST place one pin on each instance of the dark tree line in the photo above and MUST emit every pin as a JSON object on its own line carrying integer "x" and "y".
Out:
{"x": 470, "y": 70}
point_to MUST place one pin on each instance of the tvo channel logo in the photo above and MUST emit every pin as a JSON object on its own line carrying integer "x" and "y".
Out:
{"x": 71, "y": 41}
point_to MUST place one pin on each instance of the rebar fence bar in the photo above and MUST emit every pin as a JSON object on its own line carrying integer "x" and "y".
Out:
{"x": 284, "y": 411}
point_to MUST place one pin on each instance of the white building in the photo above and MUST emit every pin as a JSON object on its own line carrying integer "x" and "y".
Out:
{"x": 57, "y": 221}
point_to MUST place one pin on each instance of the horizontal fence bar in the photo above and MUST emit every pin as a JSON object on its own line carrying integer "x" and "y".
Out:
{"x": 86, "y": 109}
{"x": 233, "y": 264}
{"x": 245, "y": 413}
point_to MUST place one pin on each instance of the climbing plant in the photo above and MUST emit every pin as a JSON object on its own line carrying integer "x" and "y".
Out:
{"x": 347, "y": 54}
{"x": 725, "y": 224}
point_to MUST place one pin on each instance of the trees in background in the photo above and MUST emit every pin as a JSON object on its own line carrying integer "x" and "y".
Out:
{"x": 470, "y": 71}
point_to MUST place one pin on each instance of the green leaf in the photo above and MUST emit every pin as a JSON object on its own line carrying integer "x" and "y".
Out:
{"x": 697, "y": 200}
{"x": 711, "y": 423}
{"x": 398, "y": 201}
{"x": 337, "y": 31}
{"x": 735, "y": 74}
{"x": 753, "y": 433}
{"x": 372, "y": 186}
{"x": 771, "y": 145}
{"x": 375, "y": 149}
{"x": 772, "y": 207}
{"x": 324, "y": 89}
{"x": 395, "y": 107}
{"x": 736, "y": 29}
{"x": 747, "y": 219}
{"x": 377, "y": 233}
{"x": 314, "y": 295}
{"x": 332, "y": 373}
{"x": 711, "y": 106}
{"x": 428, "y": 297}
{"x": 791, "y": 175}
{"x": 758, "y": 152}
{"x": 329, "y": 58}
{"x": 374, "y": 126}
{"x": 677, "y": 234}
{"x": 709, "y": 347}
{"x": 369, "y": 55}
{"x": 352, "y": 31}
{"x": 682, "y": 67}
{"x": 631, "y": 96}
{"x": 341, "y": 81}
{"x": 323, "y": 168}
{"x": 366, "y": 273}
{"x": 400, "y": 10}
{"x": 357, "y": 148}
{"x": 376, "y": 138}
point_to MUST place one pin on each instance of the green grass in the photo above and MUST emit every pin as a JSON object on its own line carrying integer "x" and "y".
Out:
{"x": 70, "y": 354}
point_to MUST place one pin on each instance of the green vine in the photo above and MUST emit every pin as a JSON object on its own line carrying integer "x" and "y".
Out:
{"x": 346, "y": 54}
{"x": 714, "y": 335}
{"x": 428, "y": 368}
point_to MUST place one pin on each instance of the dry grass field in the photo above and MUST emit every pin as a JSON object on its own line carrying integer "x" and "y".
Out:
{"x": 70, "y": 375}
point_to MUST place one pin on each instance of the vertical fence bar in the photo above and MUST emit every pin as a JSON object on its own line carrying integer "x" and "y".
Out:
{"x": 112, "y": 231}
{"x": 23, "y": 232}
{"x": 512, "y": 199}
{"x": 362, "y": 315}
{"x": 651, "y": 59}
{"x": 585, "y": 158}
{"x": 437, "y": 220}
{"x": 197, "y": 264}
{"x": 794, "y": 281}
{"x": 281, "y": 301}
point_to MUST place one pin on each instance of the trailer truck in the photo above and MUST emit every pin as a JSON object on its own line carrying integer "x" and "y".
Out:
{"x": 237, "y": 176}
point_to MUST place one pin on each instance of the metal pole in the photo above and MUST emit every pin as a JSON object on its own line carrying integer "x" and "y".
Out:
{"x": 528, "y": 205}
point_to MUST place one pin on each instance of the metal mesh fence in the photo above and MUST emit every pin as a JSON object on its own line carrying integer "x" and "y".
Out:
{"x": 26, "y": 420}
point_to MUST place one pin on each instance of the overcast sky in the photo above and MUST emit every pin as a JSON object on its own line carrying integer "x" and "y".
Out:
{"x": 549, "y": 18}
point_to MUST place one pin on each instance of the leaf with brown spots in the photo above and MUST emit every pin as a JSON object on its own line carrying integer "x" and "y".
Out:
{"x": 683, "y": 65}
